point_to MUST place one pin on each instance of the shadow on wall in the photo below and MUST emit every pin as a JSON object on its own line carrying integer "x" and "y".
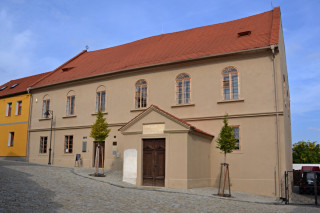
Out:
{"x": 18, "y": 193}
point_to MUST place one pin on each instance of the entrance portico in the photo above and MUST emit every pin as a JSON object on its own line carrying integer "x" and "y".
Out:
{"x": 170, "y": 152}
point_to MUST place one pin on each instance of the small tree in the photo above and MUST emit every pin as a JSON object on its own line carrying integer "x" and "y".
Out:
{"x": 226, "y": 141}
{"x": 99, "y": 132}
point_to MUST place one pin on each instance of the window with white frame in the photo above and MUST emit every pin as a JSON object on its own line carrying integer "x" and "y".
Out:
{"x": 45, "y": 108}
{"x": 101, "y": 101}
{"x": 141, "y": 94}
{"x": 230, "y": 83}
{"x": 70, "y": 105}
{"x": 183, "y": 89}
{"x": 9, "y": 109}
{"x": 18, "y": 107}
{"x": 11, "y": 139}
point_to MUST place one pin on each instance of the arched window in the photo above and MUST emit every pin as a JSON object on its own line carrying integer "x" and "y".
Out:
{"x": 45, "y": 106}
{"x": 183, "y": 89}
{"x": 230, "y": 83}
{"x": 141, "y": 94}
{"x": 71, "y": 102}
{"x": 101, "y": 99}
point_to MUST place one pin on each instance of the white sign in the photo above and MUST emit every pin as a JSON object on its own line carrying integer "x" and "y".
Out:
{"x": 130, "y": 168}
{"x": 153, "y": 128}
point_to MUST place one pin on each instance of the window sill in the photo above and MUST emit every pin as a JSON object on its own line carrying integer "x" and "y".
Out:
{"x": 96, "y": 113}
{"x": 230, "y": 101}
{"x": 69, "y": 116}
{"x": 237, "y": 152}
{"x": 139, "y": 110}
{"x": 44, "y": 119}
{"x": 182, "y": 105}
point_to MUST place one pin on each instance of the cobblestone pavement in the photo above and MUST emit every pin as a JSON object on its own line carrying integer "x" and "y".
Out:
{"x": 28, "y": 187}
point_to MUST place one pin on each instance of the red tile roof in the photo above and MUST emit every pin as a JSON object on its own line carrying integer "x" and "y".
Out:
{"x": 22, "y": 85}
{"x": 184, "y": 45}
{"x": 193, "y": 128}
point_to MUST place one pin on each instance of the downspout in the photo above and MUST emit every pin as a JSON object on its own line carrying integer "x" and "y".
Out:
{"x": 29, "y": 123}
{"x": 277, "y": 117}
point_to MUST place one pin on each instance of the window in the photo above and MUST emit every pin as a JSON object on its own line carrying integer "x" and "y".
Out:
{"x": 18, "y": 107}
{"x": 13, "y": 86}
{"x": 183, "y": 89}
{"x": 70, "y": 105}
{"x": 11, "y": 139}
{"x": 9, "y": 109}
{"x": 45, "y": 108}
{"x": 230, "y": 83}
{"x": 3, "y": 88}
{"x": 101, "y": 101}
{"x": 141, "y": 94}
{"x": 84, "y": 146}
{"x": 43, "y": 144}
{"x": 236, "y": 136}
{"x": 68, "y": 144}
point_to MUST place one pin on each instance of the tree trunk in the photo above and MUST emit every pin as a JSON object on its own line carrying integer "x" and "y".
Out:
{"x": 102, "y": 154}
{"x": 97, "y": 160}
{"x": 225, "y": 157}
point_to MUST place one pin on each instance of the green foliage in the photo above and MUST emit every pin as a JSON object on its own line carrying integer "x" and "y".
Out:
{"x": 226, "y": 141}
{"x": 306, "y": 152}
{"x": 99, "y": 130}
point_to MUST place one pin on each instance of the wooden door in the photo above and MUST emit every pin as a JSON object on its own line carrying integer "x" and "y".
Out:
{"x": 154, "y": 162}
{"x": 100, "y": 157}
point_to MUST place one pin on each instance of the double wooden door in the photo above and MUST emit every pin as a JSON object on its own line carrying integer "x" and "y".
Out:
{"x": 101, "y": 153}
{"x": 154, "y": 162}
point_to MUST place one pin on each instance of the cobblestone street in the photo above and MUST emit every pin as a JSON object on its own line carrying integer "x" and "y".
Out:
{"x": 34, "y": 188}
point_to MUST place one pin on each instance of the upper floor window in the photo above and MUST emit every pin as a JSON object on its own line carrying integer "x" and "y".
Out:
{"x": 11, "y": 139}
{"x": 236, "y": 136}
{"x": 18, "y": 107}
{"x": 71, "y": 101}
{"x": 183, "y": 89}
{"x": 45, "y": 108}
{"x": 141, "y": 94}
{"x": 70, "y": 104}
{"x": 230, "y": 83}
{"x": 101, "y": 99}
{"x": 9, "y": 109}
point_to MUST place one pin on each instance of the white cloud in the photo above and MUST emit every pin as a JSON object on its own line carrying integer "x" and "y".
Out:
{"x": 314, "y": 129}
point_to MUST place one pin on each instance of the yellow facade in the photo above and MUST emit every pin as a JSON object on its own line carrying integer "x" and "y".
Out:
{"x": 16, "y": 124}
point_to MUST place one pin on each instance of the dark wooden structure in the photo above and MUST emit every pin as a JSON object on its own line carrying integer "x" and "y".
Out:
{"x": 154, "y": 162}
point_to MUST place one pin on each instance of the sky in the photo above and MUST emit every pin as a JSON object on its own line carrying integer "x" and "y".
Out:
{"x": 37, "y": 36}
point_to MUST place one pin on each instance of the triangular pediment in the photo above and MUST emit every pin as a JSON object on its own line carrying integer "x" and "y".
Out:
{"x": 154, "y": 119}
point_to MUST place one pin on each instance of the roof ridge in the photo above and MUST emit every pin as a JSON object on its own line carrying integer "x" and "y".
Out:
{"x": 55, "y": 70}
{"x": 185, "y": 30}
{"x": 275, "y": 26}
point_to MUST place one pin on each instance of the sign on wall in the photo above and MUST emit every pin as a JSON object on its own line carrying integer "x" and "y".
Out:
{"x": 153, "y": 128}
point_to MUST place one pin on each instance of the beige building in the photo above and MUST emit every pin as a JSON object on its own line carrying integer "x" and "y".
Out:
{"x": 164, "y": 98}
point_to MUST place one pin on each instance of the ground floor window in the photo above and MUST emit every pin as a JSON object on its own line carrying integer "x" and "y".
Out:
{"x": 11, "y": 139}
{"x": 68, "y": 144}
{"x": 236, "y": 136}
{"x": 43, "y": 144}
{"x": 84, "y": 146}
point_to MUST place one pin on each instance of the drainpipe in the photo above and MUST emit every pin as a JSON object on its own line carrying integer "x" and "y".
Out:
{"x": 29, "y": 123}
{"x": 277, "y": 117}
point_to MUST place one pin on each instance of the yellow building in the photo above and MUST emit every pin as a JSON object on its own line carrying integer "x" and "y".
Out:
{"x": 14, "y": 116}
